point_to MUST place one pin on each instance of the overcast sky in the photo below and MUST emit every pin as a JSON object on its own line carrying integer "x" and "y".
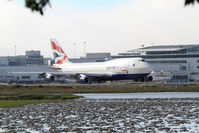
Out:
{"x": 106, "y": 25}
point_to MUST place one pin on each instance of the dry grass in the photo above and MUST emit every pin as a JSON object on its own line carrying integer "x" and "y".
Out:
{"x": 17, "y": 95}
{"x": 61, "y": 90}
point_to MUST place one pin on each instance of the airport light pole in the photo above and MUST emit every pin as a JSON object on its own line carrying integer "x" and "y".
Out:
{"x": 74, "y": 44}
{"x": 15, "y": 50}
{"x": 84, "y": 44}
{"x": 142, "y": 48}
{"x": 84, "y": 49}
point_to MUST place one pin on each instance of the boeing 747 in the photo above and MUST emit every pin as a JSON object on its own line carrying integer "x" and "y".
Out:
{"x": 116, "y": 69}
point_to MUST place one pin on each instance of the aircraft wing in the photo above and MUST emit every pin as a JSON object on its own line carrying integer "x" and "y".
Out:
{"x": 82, "y": 77}
{"x": 42, "y": 74}
{"x": 87, "y": 77}
{"x": 69, "y": 75}
{"x": 72, "y": 75}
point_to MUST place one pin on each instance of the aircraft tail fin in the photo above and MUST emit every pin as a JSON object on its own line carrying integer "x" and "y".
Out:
{"x": 58, "y": 53}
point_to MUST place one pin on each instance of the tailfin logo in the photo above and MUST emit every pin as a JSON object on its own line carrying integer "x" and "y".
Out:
{"x": 58, "y": 53}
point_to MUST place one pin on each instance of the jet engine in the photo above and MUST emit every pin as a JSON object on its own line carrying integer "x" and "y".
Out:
{"x": 84, "y": 79}
{"x": 47, "y": 77}
{"x": 149, "y": 78}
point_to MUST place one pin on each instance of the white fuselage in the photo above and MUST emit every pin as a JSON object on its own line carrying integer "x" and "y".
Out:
{"x": 116, "y": 66}
{"x": 117, "y": 69}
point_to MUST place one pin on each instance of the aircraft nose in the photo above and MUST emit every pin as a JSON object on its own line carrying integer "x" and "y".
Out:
{"x": 148, "y": 68}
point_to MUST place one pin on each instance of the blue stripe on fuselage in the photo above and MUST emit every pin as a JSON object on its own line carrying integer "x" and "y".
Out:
{"x": 127, "y": 76}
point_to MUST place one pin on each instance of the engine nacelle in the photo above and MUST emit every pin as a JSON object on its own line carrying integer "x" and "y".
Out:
{"x": 84, "y": 79}
{"x": 47, "y": 77}
{"x": 149, "y": 78}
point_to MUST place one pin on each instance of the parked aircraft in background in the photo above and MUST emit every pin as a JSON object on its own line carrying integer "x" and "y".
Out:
{"x": 116, "y": 69}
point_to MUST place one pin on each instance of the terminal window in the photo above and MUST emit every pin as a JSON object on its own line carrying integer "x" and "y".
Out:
{"x": 25, "y": 77}
{"x": 184, "y": 68}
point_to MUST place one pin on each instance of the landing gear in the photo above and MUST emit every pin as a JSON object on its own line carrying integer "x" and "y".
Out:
{"x": 143, "y": 80}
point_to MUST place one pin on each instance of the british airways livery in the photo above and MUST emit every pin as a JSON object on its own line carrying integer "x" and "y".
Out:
{"x": 117, "y": 69}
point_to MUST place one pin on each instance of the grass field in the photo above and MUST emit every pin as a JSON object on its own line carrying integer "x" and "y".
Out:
{"x": 18, "y": 95}
{"x": 23, "y": 90}
{"x": 61, "y": 90}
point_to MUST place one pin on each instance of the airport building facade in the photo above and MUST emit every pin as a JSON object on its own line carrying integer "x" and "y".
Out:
{"x": 23, "y": 68}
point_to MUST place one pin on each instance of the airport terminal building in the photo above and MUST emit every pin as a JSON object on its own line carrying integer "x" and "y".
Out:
{"x": 171, "y": 63}
{"x": 27, "y": 65}
{"x": 175, "y": 63}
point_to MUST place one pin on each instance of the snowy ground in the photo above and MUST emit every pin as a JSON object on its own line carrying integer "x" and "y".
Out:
{"x": 100, "y": 115}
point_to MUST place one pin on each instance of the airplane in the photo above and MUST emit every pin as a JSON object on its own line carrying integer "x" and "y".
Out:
{"x": 116, "y": 69}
